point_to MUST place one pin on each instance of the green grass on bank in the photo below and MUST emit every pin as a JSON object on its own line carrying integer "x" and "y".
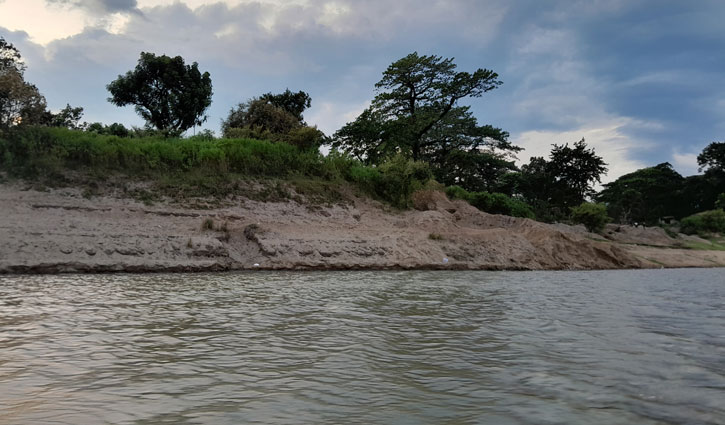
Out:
{"x": 200, "y": 167}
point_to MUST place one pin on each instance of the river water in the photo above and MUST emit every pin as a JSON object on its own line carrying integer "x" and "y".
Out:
{"x": 605, "y": 347}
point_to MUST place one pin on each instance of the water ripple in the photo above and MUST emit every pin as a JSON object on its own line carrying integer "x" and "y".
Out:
{"x": 403, "y": 347}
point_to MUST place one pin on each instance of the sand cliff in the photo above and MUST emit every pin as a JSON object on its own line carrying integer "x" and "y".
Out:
{"x": 61, "y": 231}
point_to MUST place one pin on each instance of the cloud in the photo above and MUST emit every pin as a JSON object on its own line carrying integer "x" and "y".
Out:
{"x": 330, "y": 116}
{"x": 99, "y": 6}
{"x": 685, "y": 163}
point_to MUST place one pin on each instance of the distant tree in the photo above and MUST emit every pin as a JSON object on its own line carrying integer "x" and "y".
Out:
{"x": 168, "y": 94}
{"x": 115, "y": 129}
{"x": 294, "y": 103}
{"x": 566, "y": 180}
{"x": 576, "y": 169}
{"x": 645, "y": 195}
{"x": 712, "y": 157}
{"x": 68, "y": 117}
{"x": 712, "y": 183}
{"x": 260, "y": 115}
{"x": 274, "y": 117}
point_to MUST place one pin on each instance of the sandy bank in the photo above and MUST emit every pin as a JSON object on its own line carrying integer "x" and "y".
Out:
{"x": 61, "y": 231}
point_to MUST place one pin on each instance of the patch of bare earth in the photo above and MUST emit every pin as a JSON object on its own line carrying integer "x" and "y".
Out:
{"x": 61, "y": 231}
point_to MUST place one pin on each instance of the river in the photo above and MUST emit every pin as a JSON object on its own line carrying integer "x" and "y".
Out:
{"x": 406, "y": 347}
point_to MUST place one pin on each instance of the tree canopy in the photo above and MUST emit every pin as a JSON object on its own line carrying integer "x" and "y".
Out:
{"x": 712, "y": 157}
{"x": 275, "y": 117}
{"x": 167, "y": 93}
{"x": 645, "y": 195}
{"x": 566, "y": 180}
{"x": 417, "y": 113}
{"x": 293, "y": 103}
{"x": 10, "y": 58}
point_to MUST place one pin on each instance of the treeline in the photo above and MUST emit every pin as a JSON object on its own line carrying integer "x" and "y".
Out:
{"x": 417, "y": 133}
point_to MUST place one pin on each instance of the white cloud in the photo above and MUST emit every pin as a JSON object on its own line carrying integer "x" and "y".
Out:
{"x": 685, "y": 163}
{"x": 330, "y": 116}
{"x": 43, "y": 23}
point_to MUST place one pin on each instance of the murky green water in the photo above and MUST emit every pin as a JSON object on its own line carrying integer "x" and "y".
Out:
{"x": 608, "y": 347}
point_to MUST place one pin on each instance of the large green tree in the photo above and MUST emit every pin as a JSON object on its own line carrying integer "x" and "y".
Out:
{"x": 416, "y": 112}
{"x": 167, "y": 93}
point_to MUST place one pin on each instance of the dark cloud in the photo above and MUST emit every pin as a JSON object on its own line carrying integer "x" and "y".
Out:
{"x": 100, "y": 6}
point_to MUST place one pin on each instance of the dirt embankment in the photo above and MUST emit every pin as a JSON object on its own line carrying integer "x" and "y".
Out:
{"x": 60, "y": 231}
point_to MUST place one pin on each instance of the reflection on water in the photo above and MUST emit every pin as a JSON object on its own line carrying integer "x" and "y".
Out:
{"x": 609, "y": 347}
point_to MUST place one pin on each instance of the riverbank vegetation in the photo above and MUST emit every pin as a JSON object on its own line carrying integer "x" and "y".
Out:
{"x": 416, "y": 135}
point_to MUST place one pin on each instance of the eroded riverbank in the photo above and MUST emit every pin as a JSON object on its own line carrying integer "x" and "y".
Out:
{"x": 59, "y": 230}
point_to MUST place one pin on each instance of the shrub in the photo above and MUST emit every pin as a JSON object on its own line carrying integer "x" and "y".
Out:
{"x": 457, "y": 192}
{"x": 399, "y": 178}
{"x": 592, "y": 216}
{"x": 712, "y": 221}
{"x": 259, "y": 113}
{"x": 492, "y": 203}
{"x": 305, "y": 138}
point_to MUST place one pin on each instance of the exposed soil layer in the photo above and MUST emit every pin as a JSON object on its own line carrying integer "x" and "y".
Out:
{"x": 60, "y": 231}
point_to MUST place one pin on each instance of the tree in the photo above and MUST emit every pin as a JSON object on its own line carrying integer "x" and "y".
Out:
{"x": 68, "y": 117}
{"x": 416, "y": 114}
{"x": 10, "y": 58}
{"x": 576, "y": 168}
{"x": 712, "y": 157}
{"x": 260, "y": 115}
{"x": 294, "y": 103}
{"x": 20, "y": 101}
{"x": 567, "y": 179}
{"x": 274, "y": 117}
{"x": 168, "y": 94}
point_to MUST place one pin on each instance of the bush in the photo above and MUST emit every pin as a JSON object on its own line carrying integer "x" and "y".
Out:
{"x": 712, "y": 221}
{"x": 399, "y": 178}
{"x": 260, "y": 114}
{"x": 305, "y": 138}
{"x": 457, "y": 192}
{"x": 592, "y": 216}
{"x": 492, "y": 203}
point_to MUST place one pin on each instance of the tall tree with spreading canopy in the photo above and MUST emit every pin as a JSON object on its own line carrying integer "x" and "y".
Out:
{"x": 417, "y": 113}
{"x": 167, "y": 93}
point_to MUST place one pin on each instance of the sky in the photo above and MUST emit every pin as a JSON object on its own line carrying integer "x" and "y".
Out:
{"x": 641, "y": 81}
